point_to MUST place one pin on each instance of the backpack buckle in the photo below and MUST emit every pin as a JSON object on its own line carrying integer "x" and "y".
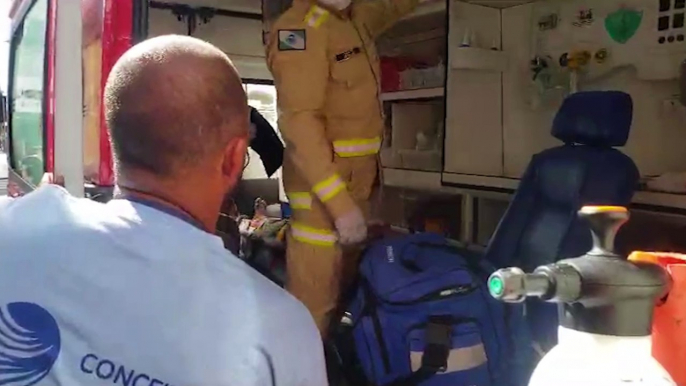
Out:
{"x": 438, "y": 340}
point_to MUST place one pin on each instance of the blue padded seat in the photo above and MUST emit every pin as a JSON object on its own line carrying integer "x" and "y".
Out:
{"x": 541, "y": 225}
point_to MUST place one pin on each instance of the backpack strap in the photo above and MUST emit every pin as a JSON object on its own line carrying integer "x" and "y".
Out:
{"x": 370, "y": 309}
{"x": 438, "y": 338}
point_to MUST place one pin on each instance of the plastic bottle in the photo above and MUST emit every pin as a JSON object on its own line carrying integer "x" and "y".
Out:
{"x": 582, "y": 358}
{"x": 605, "y": 306}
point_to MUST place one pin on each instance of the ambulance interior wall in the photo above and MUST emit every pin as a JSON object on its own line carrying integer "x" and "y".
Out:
{"x": 658, "y": 133}
{"x": 498, "y": 118}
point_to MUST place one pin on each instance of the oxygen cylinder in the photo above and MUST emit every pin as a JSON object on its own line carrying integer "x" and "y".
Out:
{"x": 605, "y": 306}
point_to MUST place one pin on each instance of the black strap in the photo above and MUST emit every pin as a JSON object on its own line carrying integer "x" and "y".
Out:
{"x": 371, "y": 311}
{"x": 438, "y": 340}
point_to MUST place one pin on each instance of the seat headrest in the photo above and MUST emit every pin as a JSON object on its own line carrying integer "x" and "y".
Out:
{"x": 597, "y": 118}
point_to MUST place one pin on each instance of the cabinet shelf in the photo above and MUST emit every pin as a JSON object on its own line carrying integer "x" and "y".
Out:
{"x": 420, "y": 93}
{"x": 667, "y": 200}
{"x": 472, "y": 58}
{"x": 412, "y": 179}
{"x": 475, "y": 183}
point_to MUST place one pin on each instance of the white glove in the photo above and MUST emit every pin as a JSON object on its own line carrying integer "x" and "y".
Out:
{"x": 336, "y": 4}
{"x": 351, "y": 227}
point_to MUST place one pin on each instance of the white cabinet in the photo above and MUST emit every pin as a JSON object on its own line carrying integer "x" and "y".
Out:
{"x": 474, "y": 135}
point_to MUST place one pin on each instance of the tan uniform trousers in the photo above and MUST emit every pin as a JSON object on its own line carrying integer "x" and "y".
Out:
{"x": 318, "y": 271}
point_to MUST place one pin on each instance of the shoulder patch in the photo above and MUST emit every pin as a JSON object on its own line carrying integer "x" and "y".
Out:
{"x": 316, "y": 16}
{"x": 292, "y": 40}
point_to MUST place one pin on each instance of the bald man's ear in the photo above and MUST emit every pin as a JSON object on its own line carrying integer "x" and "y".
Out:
{"x": 234, "y": 159}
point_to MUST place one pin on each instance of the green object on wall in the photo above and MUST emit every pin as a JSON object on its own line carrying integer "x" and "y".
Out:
{"x": 622, "y": 24}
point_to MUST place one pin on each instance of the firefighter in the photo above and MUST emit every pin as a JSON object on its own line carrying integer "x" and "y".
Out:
{"x": 326, "y": 72}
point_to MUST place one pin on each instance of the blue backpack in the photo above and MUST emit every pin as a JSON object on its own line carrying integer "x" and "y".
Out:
{"x": 423, "y": 316}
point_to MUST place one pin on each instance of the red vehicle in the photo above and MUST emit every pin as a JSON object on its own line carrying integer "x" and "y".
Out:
{"x": 60, "y": 55}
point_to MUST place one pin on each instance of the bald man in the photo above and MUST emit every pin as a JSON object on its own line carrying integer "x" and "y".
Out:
{"x": 139, "y": 291}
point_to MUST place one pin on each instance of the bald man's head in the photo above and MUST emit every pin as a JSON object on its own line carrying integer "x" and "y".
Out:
{"x": 173, "y": 104}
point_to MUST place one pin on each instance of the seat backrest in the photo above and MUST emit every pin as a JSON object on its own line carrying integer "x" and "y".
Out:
{"x": 541, "y": 224}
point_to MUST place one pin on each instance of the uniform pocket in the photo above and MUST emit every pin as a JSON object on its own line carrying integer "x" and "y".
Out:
{"x": 350, "y": 69}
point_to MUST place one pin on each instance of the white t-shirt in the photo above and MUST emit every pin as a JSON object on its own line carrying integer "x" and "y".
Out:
{"x": 4, "y": 200}
{"x": 123, "y": 294}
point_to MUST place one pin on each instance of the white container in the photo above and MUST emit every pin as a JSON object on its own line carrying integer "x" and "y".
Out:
{"x": 409, "y": 118}
{"x": 584, "y": 359}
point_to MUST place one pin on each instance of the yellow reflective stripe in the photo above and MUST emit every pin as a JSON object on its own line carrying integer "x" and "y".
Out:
{"x": 357, "y": 147}
{"x": 300, "y": 200}
{"x": 359, "y": 141}
{"x": 328, "y": 188}
{"x": 316, "y": 16}
{"x": 310, "y": 235}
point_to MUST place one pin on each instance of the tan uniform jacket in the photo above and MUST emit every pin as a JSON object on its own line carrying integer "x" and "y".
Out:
{"x": 326, "y": 71}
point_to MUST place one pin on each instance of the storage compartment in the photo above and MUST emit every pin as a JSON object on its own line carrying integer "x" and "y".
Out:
{"x": 416, "y": 136}
{"x": 413, "y": 67}
{"x": 412, "y": 52}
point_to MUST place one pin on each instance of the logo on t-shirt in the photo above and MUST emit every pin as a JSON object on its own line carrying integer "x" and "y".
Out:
{"x": 29, "y": 344}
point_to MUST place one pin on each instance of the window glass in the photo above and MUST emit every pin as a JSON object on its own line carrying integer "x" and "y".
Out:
{"x": 26, "y": 95}
{"x": 263, "y": 98}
